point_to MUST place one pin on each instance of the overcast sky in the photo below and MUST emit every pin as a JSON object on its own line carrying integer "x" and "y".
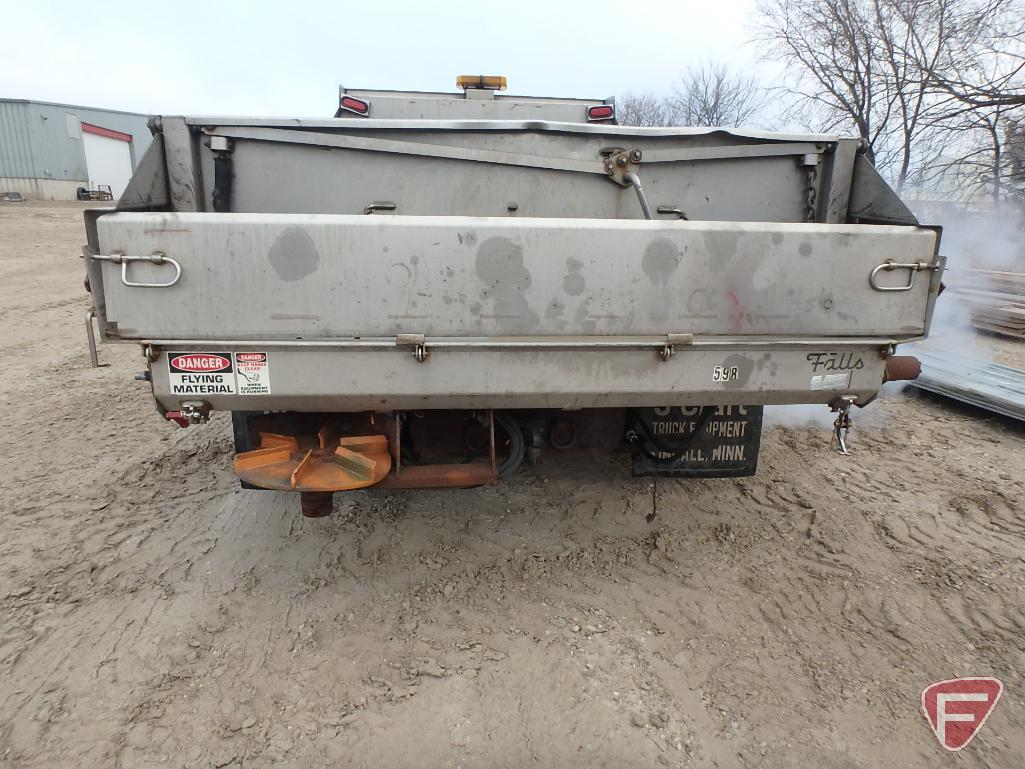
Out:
{"x": 288, "y": 57}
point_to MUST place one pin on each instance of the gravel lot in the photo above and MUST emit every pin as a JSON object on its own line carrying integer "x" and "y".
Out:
{"x": 154, "y": 614}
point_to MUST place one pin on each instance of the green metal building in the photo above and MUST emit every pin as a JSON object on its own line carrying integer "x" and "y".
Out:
{"x": 48, "y": 151}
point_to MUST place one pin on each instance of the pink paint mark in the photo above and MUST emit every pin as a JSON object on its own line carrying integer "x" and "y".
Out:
{"x": 737, "y": 316}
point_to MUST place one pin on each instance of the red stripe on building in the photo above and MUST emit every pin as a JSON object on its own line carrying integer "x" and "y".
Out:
{"x": 89, "y": 128}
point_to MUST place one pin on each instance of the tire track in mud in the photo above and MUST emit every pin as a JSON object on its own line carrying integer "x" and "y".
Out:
{"x": 105, "y": 546}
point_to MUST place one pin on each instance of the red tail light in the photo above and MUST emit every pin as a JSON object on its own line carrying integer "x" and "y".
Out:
{"x": 352, "y": 104}
{"x": 601, "y": 112}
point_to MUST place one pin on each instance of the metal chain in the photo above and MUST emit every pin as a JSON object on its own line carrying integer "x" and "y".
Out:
{"x": 810, "y": 212}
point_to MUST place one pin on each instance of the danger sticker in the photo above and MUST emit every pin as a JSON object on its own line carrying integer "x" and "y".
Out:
{"x": 253, "y": 373}
{"x": 201, "y": 373}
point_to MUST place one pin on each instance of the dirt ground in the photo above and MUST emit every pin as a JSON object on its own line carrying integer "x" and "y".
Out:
{"x": 154, "y": 614}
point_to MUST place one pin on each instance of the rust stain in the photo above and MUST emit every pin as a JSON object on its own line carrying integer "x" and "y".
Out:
{"x": 737, "y": 314}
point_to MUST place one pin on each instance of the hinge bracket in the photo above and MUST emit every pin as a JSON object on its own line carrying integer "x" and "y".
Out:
{"x": 669, "y": 348}
{"x": 419, "y": 344}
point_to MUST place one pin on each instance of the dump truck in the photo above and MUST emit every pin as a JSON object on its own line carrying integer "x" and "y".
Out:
{"x": 429, "y": 289}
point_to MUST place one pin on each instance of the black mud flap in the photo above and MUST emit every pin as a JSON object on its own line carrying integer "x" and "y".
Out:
{"x": 695, "y": 442}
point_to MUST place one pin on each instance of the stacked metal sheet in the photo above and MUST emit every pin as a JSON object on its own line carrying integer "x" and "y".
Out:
{"x": 996, "y": 301}
{"x": 990, "y": 386}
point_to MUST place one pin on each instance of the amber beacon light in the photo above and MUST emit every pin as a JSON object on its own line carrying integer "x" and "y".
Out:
{"x": 489, "y": 82}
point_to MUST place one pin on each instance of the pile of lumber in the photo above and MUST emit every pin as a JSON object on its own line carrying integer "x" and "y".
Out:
{"x": 996, "y": 301}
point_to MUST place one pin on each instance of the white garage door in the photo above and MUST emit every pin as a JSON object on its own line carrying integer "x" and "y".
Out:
{"x": 108, "y": 157}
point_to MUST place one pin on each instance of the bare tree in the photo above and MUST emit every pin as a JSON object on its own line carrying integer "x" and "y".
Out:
{"x": 706, "y": 95}
{"x": 847, "y": 67}
{"x": 710, "y": 95}
{"x": 985, "y": 65}
{"x": 981, "y": 79}
{"x": 975, "y": 162}
{"x": 922, "y": 81}
{"x": 646, "y": 109}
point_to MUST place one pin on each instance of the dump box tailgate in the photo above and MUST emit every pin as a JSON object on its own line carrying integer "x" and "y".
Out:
{"x": 321, "y": 312}
{"x": 274, "y": 276}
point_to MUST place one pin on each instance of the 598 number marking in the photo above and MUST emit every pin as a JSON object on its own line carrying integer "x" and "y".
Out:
{"x": 725, "y": 374}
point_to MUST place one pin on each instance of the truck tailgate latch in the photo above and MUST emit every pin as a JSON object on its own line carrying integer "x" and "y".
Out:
{"x": 890, "y": 265}
{"x": 158, "y": 257}
{"x": 418, "y": 342}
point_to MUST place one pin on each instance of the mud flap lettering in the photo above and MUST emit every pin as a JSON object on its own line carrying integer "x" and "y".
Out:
{"x": 695, "y": 442}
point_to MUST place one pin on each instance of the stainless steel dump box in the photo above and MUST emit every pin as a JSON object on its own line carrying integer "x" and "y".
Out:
{"x": 508, "y": 253}
{"x": 353, "y": 265}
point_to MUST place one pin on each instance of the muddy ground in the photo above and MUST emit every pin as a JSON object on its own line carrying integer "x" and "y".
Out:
{"x": 154, "y": 614}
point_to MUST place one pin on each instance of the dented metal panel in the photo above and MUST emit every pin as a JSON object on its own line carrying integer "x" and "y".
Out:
{"x": 511, "y": 168}
{"x": 463, "y": 125}
{"x": 247, "y": 276}
{"x": 292, "y": 178}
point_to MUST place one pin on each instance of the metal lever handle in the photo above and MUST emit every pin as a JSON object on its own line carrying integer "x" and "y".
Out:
{"x": 674, "y": 210}
{"x": 635, "y": 181}
{"x": 157, "y": 258}
{"x": 913, "y": 267}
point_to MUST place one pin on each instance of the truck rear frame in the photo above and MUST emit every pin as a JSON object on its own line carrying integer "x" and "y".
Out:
{"x": 382, "y": 268}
